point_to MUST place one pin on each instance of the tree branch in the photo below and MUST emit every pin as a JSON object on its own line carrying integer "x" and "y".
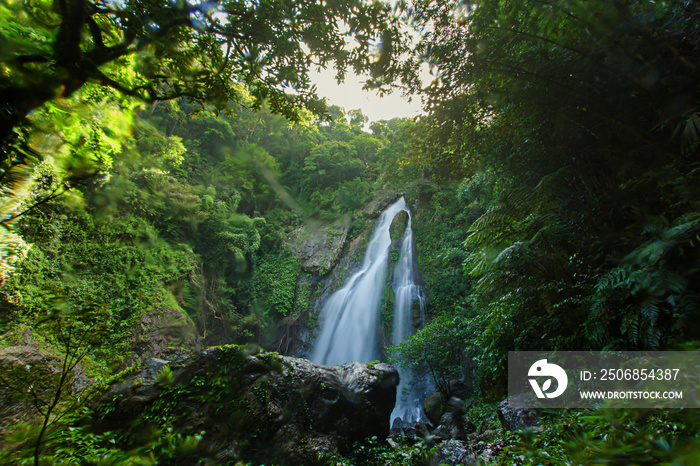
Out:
{"x": 96, "y": 32}
{"x": 66, "y": 187}
{"x": 566, "y": 12}
{"x": 34, "y": 58}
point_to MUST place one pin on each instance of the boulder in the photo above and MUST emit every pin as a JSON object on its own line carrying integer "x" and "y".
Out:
{"x": 453, "y": 453}
{"x": 435, "y": 404}
{"x": 491, "y": 452}
{"x": 516, "y": 418}
{"x": 454, "y": 426}
{"x": 434, "y": 407}
{"x": 262, "y": 408}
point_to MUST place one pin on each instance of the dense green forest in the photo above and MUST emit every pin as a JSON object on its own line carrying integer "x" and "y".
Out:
{"x": 171, "y": 182}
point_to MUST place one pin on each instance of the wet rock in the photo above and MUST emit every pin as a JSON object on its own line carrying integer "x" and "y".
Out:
{"x": 399, "y": 425}
{"x": 516, "y": 418}
{"x": 434, "y": 407}
{"x": 454, "y": 426}
{"x": 263, "y": 408}
{"x": 435, "y": 404}
{"x": 453, "y": 453}
{"x": 152, "y": 368}
{"x": 377, "y": 205}
{"x": 422, "y": 429}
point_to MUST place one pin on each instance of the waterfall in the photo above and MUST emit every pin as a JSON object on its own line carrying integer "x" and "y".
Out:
{"x": 407, "y": 296}
{"x": 349, "y": 321}
{"x": 350, "y": 318}
{"x": 406, "y": 289}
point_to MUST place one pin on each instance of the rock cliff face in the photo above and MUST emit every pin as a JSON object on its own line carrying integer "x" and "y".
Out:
{"x": 261, "y": 407}
{"x": 380, "y": 202}
{"x": 330, "y": 255}
{"x": 318, "y": 246}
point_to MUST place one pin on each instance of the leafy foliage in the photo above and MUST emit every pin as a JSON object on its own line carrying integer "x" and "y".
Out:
{"x": 373, "y": 452}
{"x": 198, "y": 51}
{"x": 437, "y": 350}
{"x": 608, "y": 435}
{"x": 564, "y": 125}
{"x": 564, "y": 137}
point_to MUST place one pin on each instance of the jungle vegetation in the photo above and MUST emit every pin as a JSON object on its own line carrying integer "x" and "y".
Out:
{"x": 158, "y": 156}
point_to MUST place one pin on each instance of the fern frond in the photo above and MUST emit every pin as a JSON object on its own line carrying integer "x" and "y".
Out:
{"x": 521, "y": 210}
{"x": 491, "y": 226}
{"x": 650, "y": 310}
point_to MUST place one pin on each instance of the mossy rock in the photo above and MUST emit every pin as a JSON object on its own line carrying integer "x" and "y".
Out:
{"x": 397, "y": 228}
{"x": 434, "y": 406}
{"x": 259, "y": 407}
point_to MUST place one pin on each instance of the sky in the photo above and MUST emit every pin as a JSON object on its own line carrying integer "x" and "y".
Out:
{"x": 350, "y": 96}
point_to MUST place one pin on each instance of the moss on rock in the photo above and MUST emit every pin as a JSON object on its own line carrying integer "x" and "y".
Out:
{"x": 257, "y": 406}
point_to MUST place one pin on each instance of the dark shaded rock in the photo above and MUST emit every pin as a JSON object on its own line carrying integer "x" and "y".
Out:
{"x": 410, "y": 432}
{"x": 516, "y": 418}
{"x": 455, "y": 426}
{"x": 263, "y": 408}
{"x": 422, "y": 429}
{"x": 461, "y": 389}
{"x": 445, "y": 433}
{"x": 435, "y": 404}
{"x": 399, "y": 424}
{"x": 453, "y": 453}
{"x": 434, "y": 407}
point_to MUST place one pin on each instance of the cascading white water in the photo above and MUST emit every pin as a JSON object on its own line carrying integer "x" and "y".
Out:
{"x": 407, "y": 293}
{"x": 406, "y": 289}
{"x": 350, "y": 318}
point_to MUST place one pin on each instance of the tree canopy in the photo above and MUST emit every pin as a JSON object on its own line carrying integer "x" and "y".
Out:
{"x": 205, "y": 51}
{"x": 73, "y": 71}
{"x": 168, "y": 173}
